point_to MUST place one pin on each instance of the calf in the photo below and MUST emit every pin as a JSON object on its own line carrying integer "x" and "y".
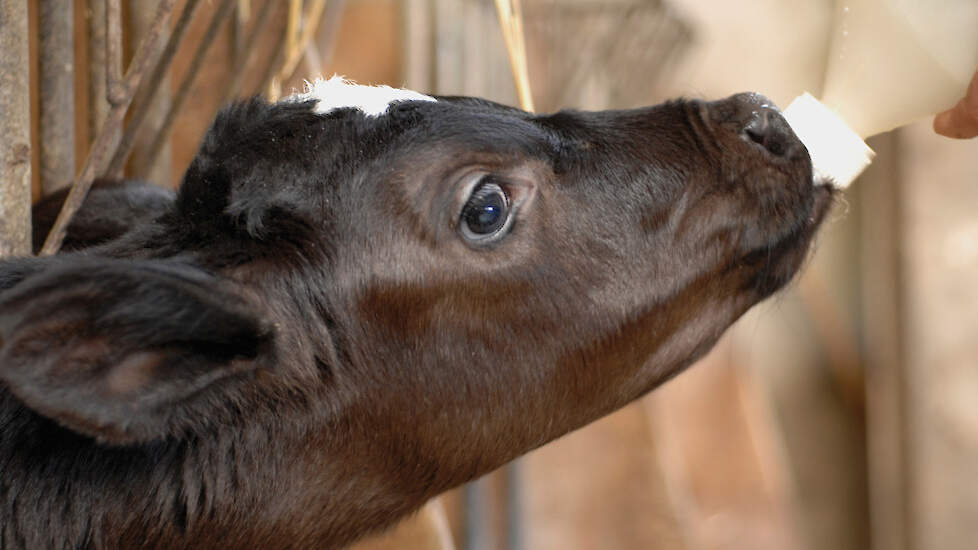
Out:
{"x": 347, "y": 310}
{"x": 110, "y": 209}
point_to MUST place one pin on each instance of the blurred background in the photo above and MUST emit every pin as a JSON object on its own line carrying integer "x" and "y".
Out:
{"x": 842, "y": 414}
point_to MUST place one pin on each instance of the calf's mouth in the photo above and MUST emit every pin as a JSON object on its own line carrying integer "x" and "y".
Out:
{"x": 765, "y": 176}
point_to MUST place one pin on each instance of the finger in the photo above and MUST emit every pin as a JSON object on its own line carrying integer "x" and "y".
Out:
{"x": 961, "y": 121}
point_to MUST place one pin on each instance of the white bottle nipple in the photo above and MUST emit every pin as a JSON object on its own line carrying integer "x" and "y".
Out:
{"x": 838, "y": 154}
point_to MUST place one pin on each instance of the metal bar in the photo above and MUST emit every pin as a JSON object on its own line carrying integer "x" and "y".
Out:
{"x": 15, "y": 140}
{"x": 114, "y": 91}
{"x": 99, "y": 153}
{"x": 152, "y": 85}
{"x": 238, "y": 71}
{"x": 56, "y": 117}
{"x": 222, "y": 13}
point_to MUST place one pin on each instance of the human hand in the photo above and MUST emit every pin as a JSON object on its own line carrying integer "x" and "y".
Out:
{"x": 961, "y": 121}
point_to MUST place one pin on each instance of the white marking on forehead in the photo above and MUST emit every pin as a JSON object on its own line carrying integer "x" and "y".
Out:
{"x": 339, "y": 93}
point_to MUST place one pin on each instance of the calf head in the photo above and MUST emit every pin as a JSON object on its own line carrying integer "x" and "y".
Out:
{"x": 406, "y": 299}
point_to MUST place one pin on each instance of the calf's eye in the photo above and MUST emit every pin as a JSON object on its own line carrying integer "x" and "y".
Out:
{"x": 486, "y": 215}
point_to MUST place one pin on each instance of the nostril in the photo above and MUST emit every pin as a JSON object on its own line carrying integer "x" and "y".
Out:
{"x": 754, "y": 134}
{"x": 763, "y": 132}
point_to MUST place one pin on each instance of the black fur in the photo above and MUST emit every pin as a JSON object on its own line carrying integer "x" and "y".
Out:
{"x": 301, "y": 347}
{"x": 111, "y": 209}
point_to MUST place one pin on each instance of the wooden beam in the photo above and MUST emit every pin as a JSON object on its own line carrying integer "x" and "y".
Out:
{"x": 940, "y": 266}
{"x": 882, "y": 306}
{"x": 425, "y": 530}
{"x": 603, "y": 486}
{"x": 57, "y": 88}
{"x": 110, "y": 130}
{"x": 15, "y": 148}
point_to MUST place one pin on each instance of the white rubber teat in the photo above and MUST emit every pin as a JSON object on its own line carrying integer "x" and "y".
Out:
{"x": 838, "y": 154}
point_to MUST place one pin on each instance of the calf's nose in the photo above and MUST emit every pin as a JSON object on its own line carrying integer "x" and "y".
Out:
{"x": 769, "y": 130}
{"x": 756, "y": 119}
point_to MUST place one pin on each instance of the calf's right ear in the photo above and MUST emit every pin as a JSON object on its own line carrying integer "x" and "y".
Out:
{"x": 125, "y": 351}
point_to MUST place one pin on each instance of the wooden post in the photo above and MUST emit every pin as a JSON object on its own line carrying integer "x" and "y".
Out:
{"x": 940, "y": 267}
{"x": 15, "y": 148}
{"x": 57, "y": 114}
{"x": 426, "y": 530}
{"x": 470, "y": 52}
{"x": 108, "y": 136}
{"x": 418, "y": 18}
{"x": 602, "y": 487}
{"x": 152, "y": 101}
{"x": 723, "y": 461}
{"x": 880, "y": 200}
{"x": 98, "y": 103}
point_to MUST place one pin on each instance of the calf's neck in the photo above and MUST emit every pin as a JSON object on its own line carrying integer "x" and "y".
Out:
{"x": 344, "y": 312}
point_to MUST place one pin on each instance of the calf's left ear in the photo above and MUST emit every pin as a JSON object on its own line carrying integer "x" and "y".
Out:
{"x": 15, "y": 270}
{"x": 125, "y": 351}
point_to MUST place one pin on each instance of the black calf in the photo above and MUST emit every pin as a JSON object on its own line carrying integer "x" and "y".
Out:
{"x": 340, "y": 316}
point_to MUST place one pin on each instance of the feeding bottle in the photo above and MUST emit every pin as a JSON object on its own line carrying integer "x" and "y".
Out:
{"x": 890, "y": 63}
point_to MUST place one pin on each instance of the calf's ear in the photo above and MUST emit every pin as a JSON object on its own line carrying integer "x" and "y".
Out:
{"x": 125, "y": 351}
{"x": 14, "y": 270}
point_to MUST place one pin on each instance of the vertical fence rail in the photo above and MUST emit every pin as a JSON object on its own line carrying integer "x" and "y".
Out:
{"x": 15, "y": 148}
{"x": 248, "y": 51}
{"x": 114, "y": 87}
{"x": 98, "y": 103}
{"x": 152, "y": 99}
{"x": 882, "y": 201}
{"x": 152, "y": 87}
{"x": 56, "y": 151}
{"x": 163, "y": 132}
{"x": 104, "y": 144}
